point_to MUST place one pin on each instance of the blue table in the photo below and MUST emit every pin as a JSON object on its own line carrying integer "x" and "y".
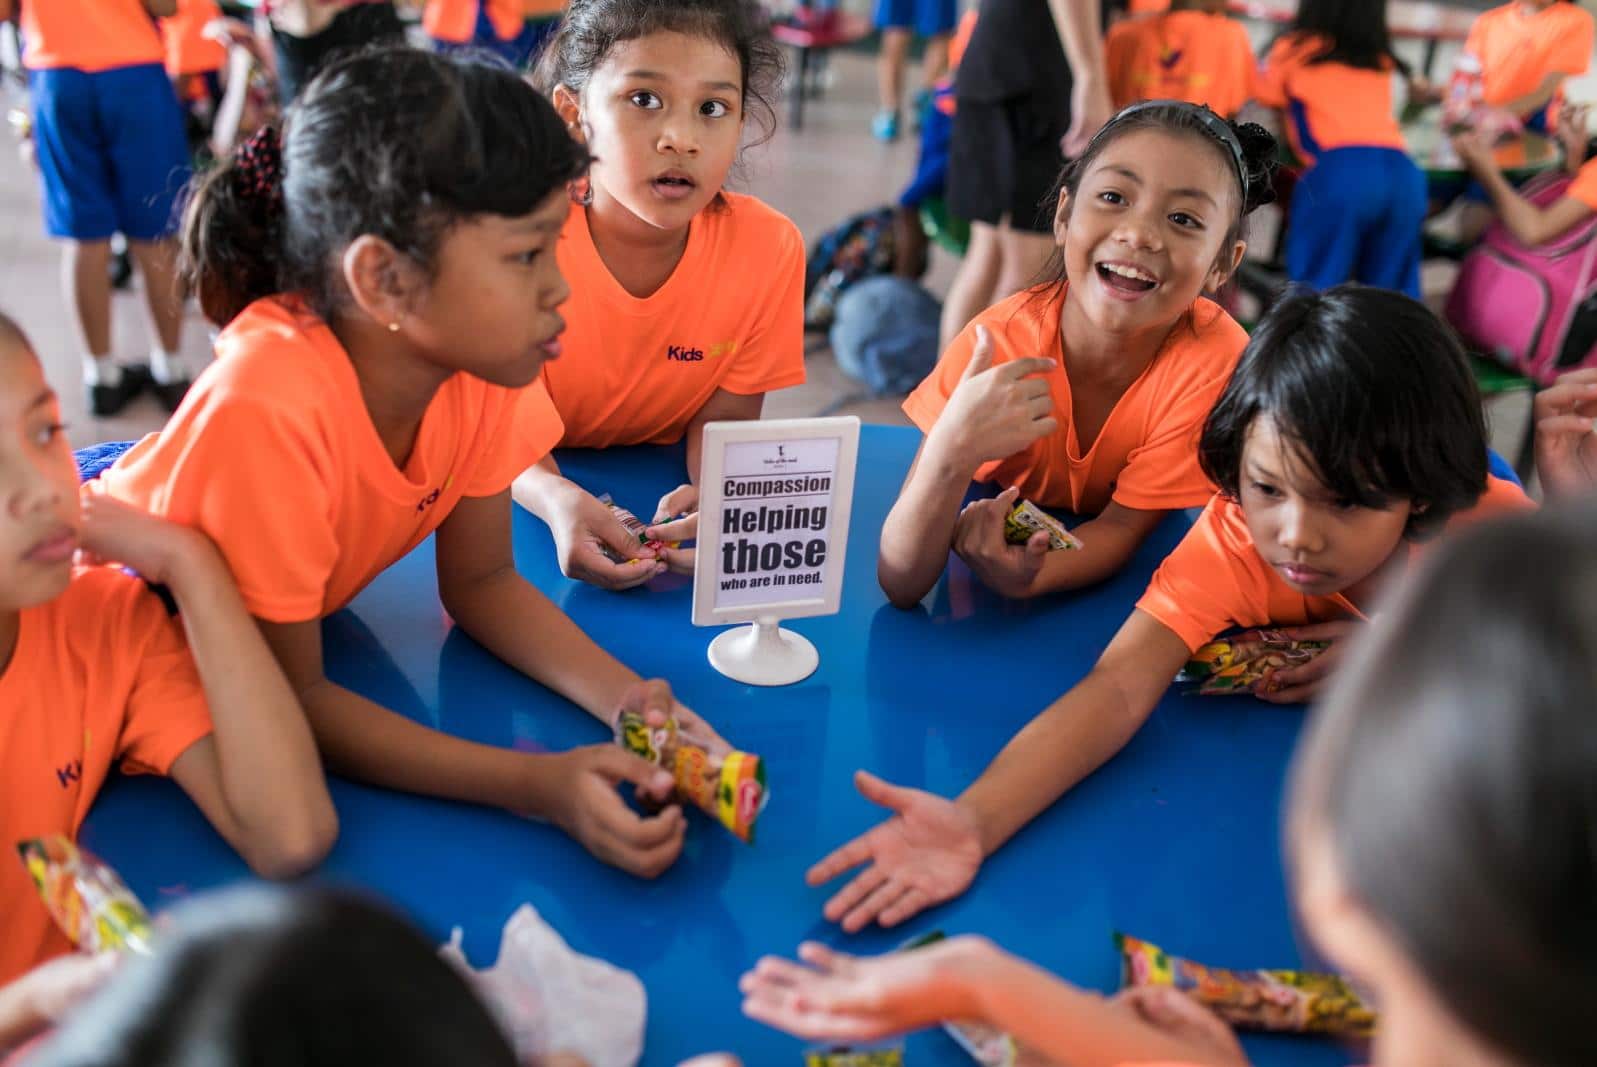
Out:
{"x": 1175, "y": 841}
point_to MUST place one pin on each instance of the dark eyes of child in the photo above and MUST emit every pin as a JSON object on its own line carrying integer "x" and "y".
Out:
{"x": 47, "y": 434}
{"x": 1186, "y": 221}
{"x": 715, "y": 109}
{"x": 1265, "y": 489}
{"x": 645, "y": 99}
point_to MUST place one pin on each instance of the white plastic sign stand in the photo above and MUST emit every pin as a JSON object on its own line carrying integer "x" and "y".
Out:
{"x": 774, "y": 501}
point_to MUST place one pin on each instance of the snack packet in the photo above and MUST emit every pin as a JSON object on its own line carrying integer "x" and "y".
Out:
{"x": 1288, "y": 1001}
{"x": 85, "y": 897}
{"x": 1026, "y": 518}
{"x": 634, "y": 526}
{"x": 730, "y": 789}
{"x": 848, "y": 1056}
{"x": 1234, "y": 665}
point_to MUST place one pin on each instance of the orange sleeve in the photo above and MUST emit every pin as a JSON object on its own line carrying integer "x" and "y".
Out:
{"x": 773, "y": 357}
{"x": 166, "y": 711}
{"x": 258, "y": 485}
{"x": 526, "y": 429}
{"x": 925, "y": 405}
{"x": 1571, "y": 51}
{"x": 1269, "y": 86}
{"x": 1584, "y": 185}
{"x": 1212, "y": 581}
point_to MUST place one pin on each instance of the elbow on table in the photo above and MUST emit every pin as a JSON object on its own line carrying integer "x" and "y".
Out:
{"x": 901, "y": 593}
{"x": 295, "y": 844}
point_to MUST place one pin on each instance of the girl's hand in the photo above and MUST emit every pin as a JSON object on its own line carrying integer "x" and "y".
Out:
{"x": 1295, "y": 685}
{"x": 928, "y": 852}
{"x": 676, "y": 519}
{"x": 593, "y": 813}
{"x": 1572, "y": 130}
{"x": 1006, "y": 569}
{"x": 1090, "y": 108}
{"x": 583, "y": 528}
{"x": 844, "y": 998}
{"x": 114, "y": 532}
{"x": 1566, "y": 447}
{"x": 653, "y": 700}
{"x": 1473, "y": 151}
{"x": 52, "y": 990}
{"x": 995, "y": 412}
{"x": 1183, "y": 1018}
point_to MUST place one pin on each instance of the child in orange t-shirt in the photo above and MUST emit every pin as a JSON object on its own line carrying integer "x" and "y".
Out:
{"x": 687, "y": 302}
{"x": 1357, "y": 211}
{"x": 1351, "y": 429}
{"x": 1087, "y": 393}
{"x": 1526, "y": 49}
{"x": 1532, "y": 224}
{"x": 1194, "y": 52}
{"x": 1438, "y": 837}
{"x": 511, "y": 29}
{"x": 377, "y": 383}
{"x": 93, "y": 672}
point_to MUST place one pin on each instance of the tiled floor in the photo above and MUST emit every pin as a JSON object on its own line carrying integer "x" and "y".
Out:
{"x": 818, "y": 176}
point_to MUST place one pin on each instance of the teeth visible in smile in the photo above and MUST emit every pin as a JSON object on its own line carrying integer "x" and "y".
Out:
{"x": 1129, "y": 272}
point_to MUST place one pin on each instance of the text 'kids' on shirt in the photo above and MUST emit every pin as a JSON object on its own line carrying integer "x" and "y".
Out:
{"x": 635, "y": 370}
{"x": 1183, "y": 55}
{"x": 1146, "y": 455}
{"x": 274, "y": 456}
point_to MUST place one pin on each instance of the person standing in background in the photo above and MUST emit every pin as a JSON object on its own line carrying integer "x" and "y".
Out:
{"x": 1031, "y": 91}
{"x": 306, "y": 32}
{"x": 899, "y": 20}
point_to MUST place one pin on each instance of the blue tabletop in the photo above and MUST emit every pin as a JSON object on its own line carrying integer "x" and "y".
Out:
{"x": 1175, "y": 841}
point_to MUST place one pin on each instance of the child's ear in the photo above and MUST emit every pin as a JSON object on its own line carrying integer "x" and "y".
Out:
{"x": 383, "y": 281}
{"x": 1224, "y": 267}
{"x": 1062, "y": 218}
{"x": 568, "y": 105}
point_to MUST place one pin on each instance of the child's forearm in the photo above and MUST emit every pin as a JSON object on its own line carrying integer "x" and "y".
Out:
{"x": 537, "y": 486}
{"x": 919, "y": 530}
{"x": 270, "y": 775}
{"x": 1106, "y": 543}
{"x": 511, "y": 618}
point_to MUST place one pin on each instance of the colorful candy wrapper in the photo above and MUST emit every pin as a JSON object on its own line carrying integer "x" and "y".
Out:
{"x": 1236, "y": 664}
{"x": 1288, "y": 1001}
{"x": 730, "y": 789}
{"x": 87, "y": 899}
{"x": 634, "y": 526}
{"x": 1026, "y": 518}
{"x": 849, "y": 1056}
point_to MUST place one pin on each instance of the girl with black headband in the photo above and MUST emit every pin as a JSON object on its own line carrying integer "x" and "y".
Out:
{"x": 1085, "y": 392}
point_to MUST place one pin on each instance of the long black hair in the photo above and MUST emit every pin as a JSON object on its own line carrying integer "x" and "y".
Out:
{"x": 1453, "y": 772}
{"x": 1373, "y": 392}
{"x": 393, "y": 142}
{"x": 1355, "y": 33}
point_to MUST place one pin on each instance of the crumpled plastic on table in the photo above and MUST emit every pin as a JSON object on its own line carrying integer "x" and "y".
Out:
{"x": 549, "y": 998}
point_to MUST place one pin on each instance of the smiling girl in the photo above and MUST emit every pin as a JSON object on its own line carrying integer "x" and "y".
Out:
{"x": 1087, "y": 392}
{"x": 687, "y": 302}
{"x": 1351, "y": 429}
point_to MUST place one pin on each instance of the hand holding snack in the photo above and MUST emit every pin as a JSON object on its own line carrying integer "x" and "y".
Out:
{"x": 1253, "y": 661}
{"x": 676, "y": 521}
{"x": 1574, "y": 131}
{"x": 995, "y": 411}
{"x": 1299, "y": 682}
{"x": 589, "y": 537}
{"x": 728, "y": 786}
{"x": 982, "y": 540}
{"x": 928, "y": 852}
{"x": 1474, "y": 151}
{"x": 1185, "y": 1019}
{"x": 87, "y": 899}
{"x": 593, "y": 813}
{"x": 1285, "y": 1001}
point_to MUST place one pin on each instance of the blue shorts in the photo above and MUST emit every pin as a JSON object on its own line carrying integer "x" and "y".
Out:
{"x": 112, "y": 151}
{"x": 928, "y": 18}
{"x": 1356, "y": 216}
{"x": 519, "y": 51}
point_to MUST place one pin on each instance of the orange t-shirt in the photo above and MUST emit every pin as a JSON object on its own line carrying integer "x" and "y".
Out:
{"x": 1216, "y": 580}
{"x": 1518, "y": 47}
{"x": 1146, "y": 455}
{"x": 456, "y": 20}
{"x": 100, "y": 674}
{"x": 731, "y": 316}
{"x": 1183, "y": 55}
{"x": 89, "y": 35}
{"x": 1584, "y": 185}
{"x": 1328, "y": 105}
{"x": 1147, "y": 7}
{"x": 188, "y": 50}
{"x": 274, "y": 456}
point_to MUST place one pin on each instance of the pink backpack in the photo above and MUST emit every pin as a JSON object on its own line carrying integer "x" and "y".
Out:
{"x": 1533, "y": 309}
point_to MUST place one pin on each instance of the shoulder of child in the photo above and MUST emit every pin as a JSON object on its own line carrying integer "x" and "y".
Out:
{"x": 275, "y": 354}
{"x": 758, "y": 223}
{"x": 107, "y": 599}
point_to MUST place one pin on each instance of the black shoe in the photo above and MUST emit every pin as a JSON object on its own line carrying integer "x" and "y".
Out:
{"x": 121, "y": 270}
{"x": 170, "y": 394}
{"x": 108, "y": 400}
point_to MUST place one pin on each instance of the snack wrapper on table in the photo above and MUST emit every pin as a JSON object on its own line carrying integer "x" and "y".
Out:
{"x": 634, "y": 526}
{"x": 1296, "y": 1002}
{"x": 86, "y": 898}
{"x": 1234, "y": 665}
{"x": 1026, "y": 518}
{"x": 730, "y": 789}
{"x": 849, "y": 1056}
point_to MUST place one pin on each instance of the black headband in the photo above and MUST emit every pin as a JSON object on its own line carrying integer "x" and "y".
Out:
{"x": 1217, "y": 127}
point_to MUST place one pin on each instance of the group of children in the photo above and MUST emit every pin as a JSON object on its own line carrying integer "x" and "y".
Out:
{"x": 434, "y": 273}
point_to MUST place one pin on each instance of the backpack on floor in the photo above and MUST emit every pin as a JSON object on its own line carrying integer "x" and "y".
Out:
{"x": 862, "y": 245}
{"x": 1533, "y": 309}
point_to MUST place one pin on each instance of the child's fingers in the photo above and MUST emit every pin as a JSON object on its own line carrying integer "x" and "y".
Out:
{"x": 866, "y": 911}
{"x": 981, "y": 356}
{"x": 912, "y": 903}
{"x": 878, "y": 791}
{"x": 685, "y": 528}
{"x": 618, "y": 766}
{"x": 1559, "y": 425}
{"x": 841, "y": 859}
{"x": 1320, "y": 631}
{"x": 846, "y": 899}
{"x": 592, "y": 566}
{"x": 1017, "y": 369}
{"x": 653, "y": 861}
{"x": 826, "y": 959}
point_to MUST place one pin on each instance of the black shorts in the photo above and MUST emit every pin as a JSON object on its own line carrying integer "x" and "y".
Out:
{"x": 1004, "y": 161}
{"x": 299, "y": 58}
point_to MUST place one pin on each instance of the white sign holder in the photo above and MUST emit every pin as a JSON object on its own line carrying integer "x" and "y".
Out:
{"x": 774, "y": 503}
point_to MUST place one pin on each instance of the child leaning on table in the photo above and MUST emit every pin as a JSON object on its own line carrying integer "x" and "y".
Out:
{"x": 268, "y": 978}
{"x": 1529, "y": 223}
{"x": 1439, "y": 834}
{"x": 1351, "y": 431}
{"x": 93, "y": 672}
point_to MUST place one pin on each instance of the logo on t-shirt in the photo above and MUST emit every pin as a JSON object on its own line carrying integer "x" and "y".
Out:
{"x": 689, "y": 354}
{"x": 432, "y": 498}
{"x": 69, "y": 773}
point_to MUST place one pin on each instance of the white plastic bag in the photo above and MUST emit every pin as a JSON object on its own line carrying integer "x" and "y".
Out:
{"x": 551, "y": 999}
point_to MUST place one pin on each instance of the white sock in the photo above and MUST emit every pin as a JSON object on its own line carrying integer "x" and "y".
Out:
{"x": 168, "y": 367}
{"x": 102, "y": 370}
